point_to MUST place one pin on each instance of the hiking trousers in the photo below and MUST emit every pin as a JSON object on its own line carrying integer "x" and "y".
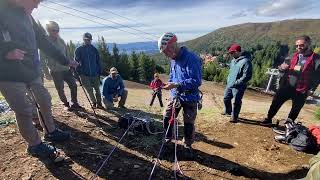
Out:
{"x": 229, "y": 94}
{"x": 189, "y": 117}
{"x": 15, "y": 95}
{"x": 90, "y": 84}
{"x": 154, "y": 94}
{"x": 59, "y": 77}
{"x": 284, "y": 94}
{"x": 122, "y": 102}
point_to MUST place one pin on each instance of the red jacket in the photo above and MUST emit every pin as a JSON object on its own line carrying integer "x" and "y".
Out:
{"x": 155, "y": 84}
{"x": 305, "y": 78}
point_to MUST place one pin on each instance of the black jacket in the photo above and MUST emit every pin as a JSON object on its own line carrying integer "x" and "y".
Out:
{"x": 19, "y": 31}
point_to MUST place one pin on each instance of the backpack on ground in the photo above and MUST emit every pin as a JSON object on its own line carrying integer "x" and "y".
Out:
{"x": 298, "y": 137}
{"x": 138, "y": 125}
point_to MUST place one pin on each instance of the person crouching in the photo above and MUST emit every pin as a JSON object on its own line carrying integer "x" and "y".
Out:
{"x": 112, "y": 89}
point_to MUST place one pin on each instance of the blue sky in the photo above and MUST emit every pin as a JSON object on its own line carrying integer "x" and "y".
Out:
{"x": 189, "y": 19}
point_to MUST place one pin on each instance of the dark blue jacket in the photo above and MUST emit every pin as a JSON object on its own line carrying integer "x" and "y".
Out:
{"x": 112, "y": 86}
{"x": 186, "y": 70}
{"x": 89, "y": 60}
{"x": 240, "y": 72}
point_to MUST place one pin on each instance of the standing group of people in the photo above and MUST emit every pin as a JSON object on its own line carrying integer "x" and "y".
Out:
{"x": 88, "y": 72}
{"x": 20, "y": 73}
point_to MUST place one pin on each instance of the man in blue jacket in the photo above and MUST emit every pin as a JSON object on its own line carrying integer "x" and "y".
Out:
{"x": 112, "y": 89}
{"x": 184, "y": 83}
{"x": 89, "y": 69}
{"x": 239, "y": 75}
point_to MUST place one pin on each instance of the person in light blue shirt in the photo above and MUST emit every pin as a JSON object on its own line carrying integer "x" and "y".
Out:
{"x": 239, "y": 75}
{"x": 113, "y": 89}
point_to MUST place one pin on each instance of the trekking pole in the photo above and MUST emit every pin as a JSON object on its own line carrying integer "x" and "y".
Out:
{"x": 38, "y": 109}
{"x": 78, "y": 78}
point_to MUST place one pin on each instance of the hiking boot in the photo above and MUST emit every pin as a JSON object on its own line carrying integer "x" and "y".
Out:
{"x": 234, "y": 120}
{"x": 66, "y": 106}
{"x": 45, "y": 151}
{"x": 226, "y": 114}
{"x": 75, "y": 106}
{"x": 188, "y": 151}
{"x": 57, "y": 136}
{"x": 266, "y": 122}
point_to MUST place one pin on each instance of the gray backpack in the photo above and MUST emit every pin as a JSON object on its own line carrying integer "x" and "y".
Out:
{"x": 299, "y": 137}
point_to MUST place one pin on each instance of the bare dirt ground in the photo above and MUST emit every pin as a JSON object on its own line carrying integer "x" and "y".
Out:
{"x": 223, "y": 151}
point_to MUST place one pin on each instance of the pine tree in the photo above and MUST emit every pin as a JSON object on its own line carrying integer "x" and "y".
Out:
{"x": 124, "y": 66}
{"x": 115, "y": 55}
{"x": 105, "y": 56}
{"x": 147, "y": 66}
{"x": 135, "y": 72}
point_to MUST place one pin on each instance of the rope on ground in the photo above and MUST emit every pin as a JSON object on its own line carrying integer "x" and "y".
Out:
{"x": 114, "y": 148}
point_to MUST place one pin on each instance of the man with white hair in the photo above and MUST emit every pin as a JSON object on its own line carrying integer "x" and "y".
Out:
{"x": 184, "y": 82}
{"x": 61, "y": 73}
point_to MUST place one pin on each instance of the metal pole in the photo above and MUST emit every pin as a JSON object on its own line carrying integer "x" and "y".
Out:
{"x": 269, "y": 83}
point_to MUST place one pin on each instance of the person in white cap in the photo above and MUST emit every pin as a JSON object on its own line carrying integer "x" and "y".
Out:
{"x": 112, "y": 89}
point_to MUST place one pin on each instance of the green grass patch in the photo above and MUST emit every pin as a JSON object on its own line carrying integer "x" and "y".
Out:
{"x": 318, "y": 114}
{"x": 208, "y": 113}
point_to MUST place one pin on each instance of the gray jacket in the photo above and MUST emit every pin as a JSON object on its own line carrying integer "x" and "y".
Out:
{"x": 19, "y": 31}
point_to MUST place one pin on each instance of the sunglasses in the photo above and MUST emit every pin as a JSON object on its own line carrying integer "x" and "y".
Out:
{"x": 54, "y": 31}
{"x": 300, "y": 45}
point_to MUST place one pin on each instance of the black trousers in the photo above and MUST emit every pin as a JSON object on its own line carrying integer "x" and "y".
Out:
{"x": 284, "y": 94}
{"x": 154, "y": 94}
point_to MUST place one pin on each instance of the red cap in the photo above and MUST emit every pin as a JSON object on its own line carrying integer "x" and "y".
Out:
{"x": 234, "y": 48}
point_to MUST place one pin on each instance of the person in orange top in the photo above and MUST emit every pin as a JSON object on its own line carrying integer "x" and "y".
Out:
{"x": 156, "y": 86}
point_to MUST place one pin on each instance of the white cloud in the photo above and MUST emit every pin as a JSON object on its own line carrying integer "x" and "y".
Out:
{"x": 284, "y": 7}
{"x": 188, "y": 21}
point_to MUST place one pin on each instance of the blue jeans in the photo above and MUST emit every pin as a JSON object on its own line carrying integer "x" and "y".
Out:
{"x": 229, "y": 94}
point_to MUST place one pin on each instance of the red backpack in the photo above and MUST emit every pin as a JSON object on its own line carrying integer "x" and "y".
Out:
{"x": 315, "y": 131}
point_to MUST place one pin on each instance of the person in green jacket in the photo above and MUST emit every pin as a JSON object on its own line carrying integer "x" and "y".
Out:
{"x": 239, "y": 74}
{"x": 314, "y": 171}
{"x": 61, "y": 73}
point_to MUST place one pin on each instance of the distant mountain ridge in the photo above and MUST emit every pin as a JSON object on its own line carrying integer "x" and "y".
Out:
{"x": 146, "y": 47}
{"x": 251, "y": 33}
